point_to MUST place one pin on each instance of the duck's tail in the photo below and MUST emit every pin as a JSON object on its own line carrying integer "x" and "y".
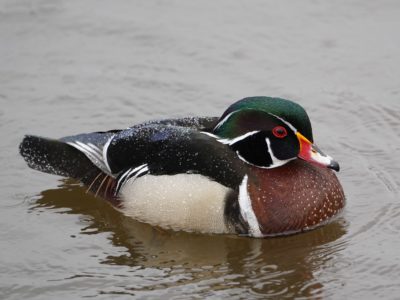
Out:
{"x": 57, "y": 157}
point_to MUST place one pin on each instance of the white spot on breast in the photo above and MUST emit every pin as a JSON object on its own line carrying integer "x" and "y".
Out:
{"x": 188, "y": 202}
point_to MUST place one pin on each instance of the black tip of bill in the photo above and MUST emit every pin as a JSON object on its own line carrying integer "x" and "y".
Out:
{"x": 334, "y": 165}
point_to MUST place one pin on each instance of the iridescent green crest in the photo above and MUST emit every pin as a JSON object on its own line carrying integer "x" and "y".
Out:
{"x": 254, "y": 113}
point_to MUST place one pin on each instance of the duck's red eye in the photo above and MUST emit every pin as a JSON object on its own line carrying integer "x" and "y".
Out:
{"x": 279, "y": 132}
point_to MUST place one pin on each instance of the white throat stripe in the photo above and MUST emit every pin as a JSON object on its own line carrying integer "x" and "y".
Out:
{"x": 276, "y": 162}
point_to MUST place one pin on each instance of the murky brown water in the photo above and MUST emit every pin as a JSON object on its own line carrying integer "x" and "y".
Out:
{"x": 78, "y": 66}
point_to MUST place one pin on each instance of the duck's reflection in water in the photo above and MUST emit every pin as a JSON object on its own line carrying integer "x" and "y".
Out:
{"x": 268, "y": 267}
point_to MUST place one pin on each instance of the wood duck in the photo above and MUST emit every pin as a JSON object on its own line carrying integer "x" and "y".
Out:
{"x": 254, "y": 171}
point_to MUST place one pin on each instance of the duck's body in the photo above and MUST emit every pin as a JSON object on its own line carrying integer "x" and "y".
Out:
{"x": 214, "y": 175}
{"x": 189, "y": 202}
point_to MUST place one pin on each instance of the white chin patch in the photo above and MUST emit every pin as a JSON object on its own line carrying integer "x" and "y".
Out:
{"x": 188, "y": 202}
{"x": 324, "y": 160}
{"x": 275, "y": 161}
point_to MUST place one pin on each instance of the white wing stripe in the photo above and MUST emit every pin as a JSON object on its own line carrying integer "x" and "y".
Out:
{"x": 128, "y": 174}
{"x": 105, "y": 149}
{"x": 93, "y": 153}
{"x": 84, "y": 150}
{"x": 94, "y": 147}
{"x": 142, "y": 171}
{"x": 122, "y": 178}
{"x": 90, "y": 150}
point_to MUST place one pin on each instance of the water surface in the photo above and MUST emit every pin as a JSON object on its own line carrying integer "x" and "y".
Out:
{"x": 70, "y": 66}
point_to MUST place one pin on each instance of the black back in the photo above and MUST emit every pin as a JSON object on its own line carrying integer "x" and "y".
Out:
{"x": 169, "y": 150}
{"x": 168, "y": 147}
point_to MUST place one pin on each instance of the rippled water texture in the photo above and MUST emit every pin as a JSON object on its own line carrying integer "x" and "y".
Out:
{"x": 78, "y": 66}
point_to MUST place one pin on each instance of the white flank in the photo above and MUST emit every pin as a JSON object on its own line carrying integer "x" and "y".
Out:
{"x": 246, "y": 210}
{"x": 276, "y": 162}
{"x": 188, "y": 202}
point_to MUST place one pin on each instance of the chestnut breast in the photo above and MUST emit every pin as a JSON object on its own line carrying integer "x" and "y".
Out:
{"x": 295, "y": 197}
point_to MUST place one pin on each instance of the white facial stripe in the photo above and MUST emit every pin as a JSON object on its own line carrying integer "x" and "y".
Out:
{"x": 220, "y": 123}
{"x": 242, "y": 158}
{"x": 230, "y": 141}
{"x": 276, "y": 162}
{"x": 224, "y": 119}
{"x": 238, "y": 138}
{"x": 246, "y": 210}
{"x": 210, "y": 134}
{"x": 285, "y": 122}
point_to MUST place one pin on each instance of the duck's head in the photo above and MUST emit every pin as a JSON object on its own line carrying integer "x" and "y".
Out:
{"x": 269, "y": 132}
